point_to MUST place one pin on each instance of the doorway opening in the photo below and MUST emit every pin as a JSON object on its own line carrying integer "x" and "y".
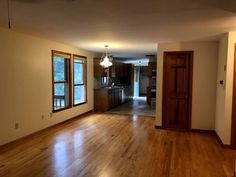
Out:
{"x": 142, "y": 99}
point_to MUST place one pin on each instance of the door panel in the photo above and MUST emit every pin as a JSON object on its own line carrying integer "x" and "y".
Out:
{"x": 177, "y": 81}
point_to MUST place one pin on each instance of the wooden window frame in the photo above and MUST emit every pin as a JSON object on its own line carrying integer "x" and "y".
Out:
{"x": 79, "y": 57}
{"x": 68, "y": 78}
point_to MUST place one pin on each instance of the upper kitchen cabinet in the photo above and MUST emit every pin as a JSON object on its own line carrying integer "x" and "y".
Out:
{"x": 101, "y": 75}
{"x": 120, "y": 73}
{"x": 151, "y": 89}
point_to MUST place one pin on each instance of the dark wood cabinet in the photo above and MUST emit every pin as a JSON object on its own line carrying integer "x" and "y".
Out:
{"x": 151, "y": 89}
{"x": 100, "y": 74}
{"x": 105, "y": 99}
{"x": 121, "y": 72}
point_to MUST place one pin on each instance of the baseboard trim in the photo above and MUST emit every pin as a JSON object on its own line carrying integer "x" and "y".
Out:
{"x": 221, "y": 142}
{"x": 158, "y": 127}
{"x": 213, "y": 132}
{"x": 19, "y": 140}
{"x": 189, "y": 130}
{"x": 202, "y": 131}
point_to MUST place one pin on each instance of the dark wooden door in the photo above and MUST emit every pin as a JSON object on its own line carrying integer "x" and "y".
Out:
{"x": 177, "y": 87}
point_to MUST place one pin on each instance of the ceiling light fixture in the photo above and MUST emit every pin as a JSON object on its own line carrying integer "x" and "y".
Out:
{"x": 106, "y": 60}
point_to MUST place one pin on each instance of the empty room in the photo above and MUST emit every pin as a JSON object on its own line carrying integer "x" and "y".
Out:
{"x": 117, "y": 88}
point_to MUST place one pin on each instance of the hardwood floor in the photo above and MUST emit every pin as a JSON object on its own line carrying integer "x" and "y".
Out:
{"x": 109, "y": 145}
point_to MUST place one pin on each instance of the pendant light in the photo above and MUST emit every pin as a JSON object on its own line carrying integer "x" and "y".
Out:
{"x": 106, "y": 60}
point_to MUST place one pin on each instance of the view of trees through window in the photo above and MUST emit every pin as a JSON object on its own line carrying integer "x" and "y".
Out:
{"x": 79, "y": 81}
{"x": 59, "y": 75}
{"x": 62, "y": 83}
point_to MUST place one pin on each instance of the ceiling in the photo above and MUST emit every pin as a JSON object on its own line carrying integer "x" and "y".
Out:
{"x": 131, "y": 28}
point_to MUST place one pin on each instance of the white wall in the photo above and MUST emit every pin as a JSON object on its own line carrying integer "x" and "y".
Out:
{"x": 229, "y": 86}
{"x": 220, "y": 94}
{"x": 224, "y": 96}
{"x": 26, "y": 84}
{"x": 204, "y": 81}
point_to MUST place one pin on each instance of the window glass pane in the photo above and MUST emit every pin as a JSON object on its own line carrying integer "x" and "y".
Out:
{"x": 61, "y": 95}
{"x": 78, "y": 73}
{"x": 79, "y": 94}
{"x": 59, "y": 68}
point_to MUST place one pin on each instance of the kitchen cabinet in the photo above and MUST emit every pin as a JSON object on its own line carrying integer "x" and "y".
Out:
{"x": 107, "y": 98}
{"x": 151, "y": 89}
{"x": 120, "y": 70}
{"x": 101, "y": 74}
{"x": 119, "y": 74}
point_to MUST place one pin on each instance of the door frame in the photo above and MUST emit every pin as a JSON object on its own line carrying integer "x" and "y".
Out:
{"x": 233, "y": 123}
{"x": 189, "y": 118}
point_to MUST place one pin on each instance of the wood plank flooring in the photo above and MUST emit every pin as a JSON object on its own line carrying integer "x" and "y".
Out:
{"x": 109, "y": 145}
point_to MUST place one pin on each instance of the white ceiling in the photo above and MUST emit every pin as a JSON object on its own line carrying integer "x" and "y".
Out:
{"x": 132, "y": 28}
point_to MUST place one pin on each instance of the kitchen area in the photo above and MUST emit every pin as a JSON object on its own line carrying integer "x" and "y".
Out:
{"x": 112, "y": 85}
{"x": 121, "y": 89}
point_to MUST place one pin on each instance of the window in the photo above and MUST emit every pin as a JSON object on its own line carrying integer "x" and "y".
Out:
{"x": 61, "y": 80}
{"x": 80, "y": 80}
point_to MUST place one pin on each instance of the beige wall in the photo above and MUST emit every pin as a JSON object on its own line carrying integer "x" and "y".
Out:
{"x": 229, "y": 86}
{"x": 224, "y": 96}
{"x": 204, "y": 81}
{"x": 220, "y": 94}
{"x": 26, "y": 89}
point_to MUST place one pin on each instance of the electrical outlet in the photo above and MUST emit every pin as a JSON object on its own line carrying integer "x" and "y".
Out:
{"x": 42, "y": 117}
{"x": 51, "y": 114}
{"x": 16, "y": 125}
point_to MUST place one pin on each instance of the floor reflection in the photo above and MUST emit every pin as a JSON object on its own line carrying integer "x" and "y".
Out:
{"x": 61, "y": 155}
{"x": 78, "y": 139}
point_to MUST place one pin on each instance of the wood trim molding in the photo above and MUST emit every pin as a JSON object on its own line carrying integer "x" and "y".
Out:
{"x": 85, "y": 84}
{"x": 62, "y": 54}
{"x": 202, "y": 131}
{"x": 159, "y": 127}
{"x": 189, "y": 130}
{"x": 18, "y": 141}
{"x": 221, "y": 142}
{"x": 68, "y": 77}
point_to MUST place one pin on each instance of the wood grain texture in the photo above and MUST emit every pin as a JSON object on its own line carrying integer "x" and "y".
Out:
{"x": 109, "y": 145}
{"x": 177, "y": 89}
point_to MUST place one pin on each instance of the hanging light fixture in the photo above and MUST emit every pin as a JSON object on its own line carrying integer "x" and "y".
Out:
{"x": 106, "y": 60}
